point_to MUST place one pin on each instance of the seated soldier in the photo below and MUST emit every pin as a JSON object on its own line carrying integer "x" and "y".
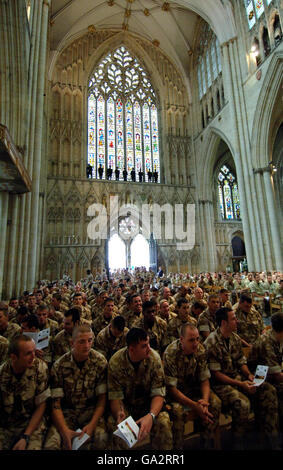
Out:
{"x": 133, "y": 311}
{"x": 97, "y": 306}
{"x": 78, "y": 302}
{"x": 224, "y": 298}
{"x": 78, "y": 389}
{"x": 249, "y": 321}
{"x": 164, "y": 311}
{"x": 187, "y": 380}
{"x": 8, "y": 330}
{"x": 62, "y": 342}
{"x": 155, "y": 327}
{"x": 183, "y": 316}
{"x": 267, "y": 350}
{"x": 31, "y": 303}
{"x": 23, "y": 393}
{"x": 207, "y": 320}
{"x": 233, "y": 382}
{"x": 111, "y": 338}
{"x": 44, "y": 322}
{"x": 101, "y": 321}
{"x": 197, "y": 308}
{"x": 21, "y": 313}
{"x": 136, "y": 387}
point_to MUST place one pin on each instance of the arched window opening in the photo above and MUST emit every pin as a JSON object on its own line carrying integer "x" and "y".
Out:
{"x": 140, "y": 252}
{"x": 229, "y": 201}
{"x": 116, "y": 253}
{"x": 122, "y": 119}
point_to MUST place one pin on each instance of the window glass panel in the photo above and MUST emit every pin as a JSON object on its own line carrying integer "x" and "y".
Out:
{"x": 236, "y": 201}
{"x": 155, "y": 144}
{"x": 138, "y": 143}
{"x": 259, "y": 8}
{"x": 111, "y": 132}
{"x": 199, "y": 83}
{"x": 218, "y": 53}
{"x": 221, "y": 205}
{"x": 120, "y": 134}
{"x": 268, "y": 2}
{"x": 101, "y": 133}
{"x": 214, "y": 61}
{"x": 203, "y": 76}
{"x": 228, "y": 200}
{"x": 209, "y": 81}
{"x": 250, "y": 13}
{"x": 129, "y": 136}
{"x": 146, "y": 139}
{"x": 92, "y": 133}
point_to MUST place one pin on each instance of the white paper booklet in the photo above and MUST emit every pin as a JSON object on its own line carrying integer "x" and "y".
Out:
{"x": 260, "y": 375}
{"x": 79, "y": 441}
{"x": 128, "y": 430}
{"x": 41, "y": 338}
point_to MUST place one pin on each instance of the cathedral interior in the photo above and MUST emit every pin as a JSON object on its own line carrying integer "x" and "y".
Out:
{"x": 181, "y": 101}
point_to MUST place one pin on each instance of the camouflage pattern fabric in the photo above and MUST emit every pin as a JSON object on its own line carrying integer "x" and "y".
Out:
{"x": 11, "y": 331}
{"x": 174, "y": 327}
{"x": 4, "y": 345}
{"x": 157, "y": 334}
{"x": 206, "y": 323}
{"x": 249, "y": 326}
{"x": 107, "y": 344}
{"x": 19, "y": 399}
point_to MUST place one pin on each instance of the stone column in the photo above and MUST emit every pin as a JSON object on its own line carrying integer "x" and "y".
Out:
{"x": 264, "y": 227}
{"x": 273, "y": 224}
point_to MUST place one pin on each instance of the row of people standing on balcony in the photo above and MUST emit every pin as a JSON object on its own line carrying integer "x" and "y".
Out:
{"x": 152, "y": 176}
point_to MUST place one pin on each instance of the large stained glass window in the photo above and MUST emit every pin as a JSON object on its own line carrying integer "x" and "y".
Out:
{"x": 122, "y": 117}
{"x": 229, "y": 201}
{"x": 209, "y": 67}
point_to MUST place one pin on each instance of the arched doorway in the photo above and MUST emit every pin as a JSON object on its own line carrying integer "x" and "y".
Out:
{"x": 238, "y": 253}
{"x": 116, "y": 253}
{"x": 140, "y": 252}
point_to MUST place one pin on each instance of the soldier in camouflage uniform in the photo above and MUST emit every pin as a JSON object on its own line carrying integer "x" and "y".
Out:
{"x": 101, "y": 321}
{"x": 164, "y": 311}
{"x": 7, "y": 329}
{"x": 155, "y": 327}
{"x": 44, "y": 322}
{"x": 136, "y": 387}
{"x": 249, "y": 321}
{"x": 233, "y": 382}
{"x": 23, "y": 393}
{"x": 111, "y": 338}
{"x": 224, "y": 298}
{"x": 78, "y": 389}
{"x": 134, "y": 310}
{"x": 62, "y": 342}
{"x": 183, "y": 316}
{"x": 187, "y": 380}
{"x": 267, "y": 350}
{"x": 78, "y": 302}
{"x": 98, "y": 305}
{"x": 4, "y": 344}
{"x": 206, "y": 321}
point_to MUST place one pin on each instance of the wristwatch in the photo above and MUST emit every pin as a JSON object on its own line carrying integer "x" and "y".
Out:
{"x": 152, "y": 415}
{"x": 26, "y": 437}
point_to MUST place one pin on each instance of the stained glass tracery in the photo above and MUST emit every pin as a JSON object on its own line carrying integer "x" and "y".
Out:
{"x": 122, "y": 117}
{"x": 229, "y": 201}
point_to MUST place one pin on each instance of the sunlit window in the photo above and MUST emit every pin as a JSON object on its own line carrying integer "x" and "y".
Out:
{"x": 122, "y": 118}
{"x": 229, "y": 201}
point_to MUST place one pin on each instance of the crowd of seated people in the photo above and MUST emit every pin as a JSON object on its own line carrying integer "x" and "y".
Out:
{"x": 160, "y": 347}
